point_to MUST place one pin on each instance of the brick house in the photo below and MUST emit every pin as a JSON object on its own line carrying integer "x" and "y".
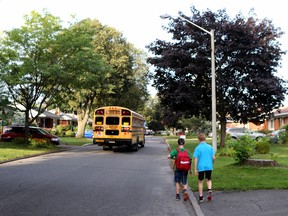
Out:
{"x": 277, "y": 119}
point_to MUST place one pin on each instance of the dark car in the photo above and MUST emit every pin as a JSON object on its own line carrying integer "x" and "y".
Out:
{"x": 34, "y": 132}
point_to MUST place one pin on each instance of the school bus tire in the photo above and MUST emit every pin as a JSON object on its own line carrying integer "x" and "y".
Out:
{"x": 135, "y": 147}
{"x": 105, "y": 148}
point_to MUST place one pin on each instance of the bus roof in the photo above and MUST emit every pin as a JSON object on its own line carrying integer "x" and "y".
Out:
{"x": 119, "y": 107}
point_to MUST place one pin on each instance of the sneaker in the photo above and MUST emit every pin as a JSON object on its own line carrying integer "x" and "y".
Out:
{"x": 209, "y": 196}
{"x": 201, "y": 199}
{"x": 186, "y": 196}
{"x": 177, "y": 197}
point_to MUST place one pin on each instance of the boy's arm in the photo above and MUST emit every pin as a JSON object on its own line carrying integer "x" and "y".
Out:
{"x": 195, "y": 166}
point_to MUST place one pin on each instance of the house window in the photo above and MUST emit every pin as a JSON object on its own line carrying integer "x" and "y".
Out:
{"x": 282, "y": 122}
{"x": 271, "y": 124}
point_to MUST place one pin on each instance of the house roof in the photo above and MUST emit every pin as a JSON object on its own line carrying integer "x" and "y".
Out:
{"x": 68, "y": 117}
{"x": 44, "y": 114}
{"x": 281, "y": 112}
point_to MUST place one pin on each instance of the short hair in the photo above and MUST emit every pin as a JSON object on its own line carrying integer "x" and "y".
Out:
{"x": 181, "y": 141}
{"x": 201, "y": 137}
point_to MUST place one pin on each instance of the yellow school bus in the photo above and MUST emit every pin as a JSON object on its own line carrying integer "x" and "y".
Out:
{"x": 118, "y": 126}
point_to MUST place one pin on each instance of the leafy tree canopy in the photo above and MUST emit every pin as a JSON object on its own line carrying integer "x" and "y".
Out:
{"x": 28, "y": 64}
{"x": 247, "y": 56}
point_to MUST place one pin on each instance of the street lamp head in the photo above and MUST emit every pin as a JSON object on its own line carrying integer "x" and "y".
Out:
{"x": 165, "y": 16}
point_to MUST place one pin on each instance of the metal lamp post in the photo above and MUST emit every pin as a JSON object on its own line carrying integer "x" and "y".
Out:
{"x": 213, "y": 87}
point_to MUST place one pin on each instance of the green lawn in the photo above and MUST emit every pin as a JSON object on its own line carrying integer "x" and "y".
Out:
{"x": 10, "y": 151}
{"x": 75, "y": 141}
{"x": 227, "y": 175}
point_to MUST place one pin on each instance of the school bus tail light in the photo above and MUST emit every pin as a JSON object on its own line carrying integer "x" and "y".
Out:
{"x": 125, "y": 129}
{"x": 99, "y": 112}
{"x": 125, "y": 112}
{"x": 99, "y": 129}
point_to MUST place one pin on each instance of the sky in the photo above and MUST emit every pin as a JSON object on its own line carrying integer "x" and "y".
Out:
{"x": 139, "y": 20}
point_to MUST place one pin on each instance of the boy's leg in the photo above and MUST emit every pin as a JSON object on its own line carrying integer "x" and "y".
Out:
{"x": 177, "y": 184}
{"x": 177, "y": 188}
{"x": 185, "y": 185}
{"x": 200, "y": 186}
{"x": 209, "y": 185}
{"x": 200, "y": 190}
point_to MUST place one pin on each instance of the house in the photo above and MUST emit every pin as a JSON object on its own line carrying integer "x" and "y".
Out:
{"x": 278, "y": 118}
{"x": 68, "y": 119}
{"x": 47, "y": 120}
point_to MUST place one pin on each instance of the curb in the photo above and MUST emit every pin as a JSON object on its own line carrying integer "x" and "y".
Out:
{"x": 192, "y": 198}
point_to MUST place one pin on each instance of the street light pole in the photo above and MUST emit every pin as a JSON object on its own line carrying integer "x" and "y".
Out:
{"x": 213, "y": 82}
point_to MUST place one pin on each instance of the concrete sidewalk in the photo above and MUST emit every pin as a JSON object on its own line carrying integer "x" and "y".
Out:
{"x": 243, "y": 203}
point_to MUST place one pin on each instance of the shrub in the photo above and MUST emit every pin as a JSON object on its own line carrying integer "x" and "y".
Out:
{"x": 262, "y": 147}
{"x": 244, "y": 148}
{"x": 40, "y": 143}
{"x": 274, "y": 156}
{"x": 53, "y": 131}
{"x": 59, "y": 129}
{"x": 283, "y": 136}
{"x": 19, "y": 141}
{"x": 69, "y": 133}
{"x": 226, "y": 151}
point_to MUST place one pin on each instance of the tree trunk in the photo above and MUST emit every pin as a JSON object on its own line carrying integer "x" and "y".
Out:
{"x": 222, "y": 132}
{"x": 27, "y": 124}
{"x": 82, "y": 117}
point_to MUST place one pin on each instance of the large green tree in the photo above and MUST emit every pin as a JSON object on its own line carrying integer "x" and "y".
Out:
{"x": 247, "y": 56}
{"x": 85, "y": 70}
{"x": 28, "y": 64}
{"x": 127, "y": 81}
{"x": 121, "y": 78}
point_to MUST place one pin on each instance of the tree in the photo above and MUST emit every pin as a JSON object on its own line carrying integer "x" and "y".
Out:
{"x": 86, "y": 72}
{"x": 247, "y": 55}
{"x": 29, "y": 66}
{"x": 153, "y": 114}
{"x": 127, "y": 81}
{"x": 196, "y": 125}
{"x": 119, "y": 78}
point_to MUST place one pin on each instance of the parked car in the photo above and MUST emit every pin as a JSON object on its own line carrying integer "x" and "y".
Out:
{"x": 274, "y": 136}
{"x": 235, "y": 133}
{"x": 13, "y": 132}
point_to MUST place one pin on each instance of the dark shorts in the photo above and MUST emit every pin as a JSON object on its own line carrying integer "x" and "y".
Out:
{"x": 180, "y": 177}
{"x": 207, "y": 174}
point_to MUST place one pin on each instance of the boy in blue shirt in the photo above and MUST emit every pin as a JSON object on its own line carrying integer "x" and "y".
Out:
{"x": 204, "y": 156}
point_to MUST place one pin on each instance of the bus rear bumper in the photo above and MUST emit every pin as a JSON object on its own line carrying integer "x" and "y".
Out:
{"x": 112, "y": 142}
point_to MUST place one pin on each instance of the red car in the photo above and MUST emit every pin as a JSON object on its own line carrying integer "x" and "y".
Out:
{"x": 35, "y": 132}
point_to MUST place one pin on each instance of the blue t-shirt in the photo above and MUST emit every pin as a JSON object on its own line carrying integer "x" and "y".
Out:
{"x": 204, "y": 153}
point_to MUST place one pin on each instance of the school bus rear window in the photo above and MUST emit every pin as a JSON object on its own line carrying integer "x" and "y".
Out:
{"x": 99, "y": 120}
{"x": 126, "y": 121}
{"x": 112, "y": 121}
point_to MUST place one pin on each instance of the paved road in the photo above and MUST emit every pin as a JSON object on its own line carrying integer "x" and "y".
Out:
{"x": 89, "y": 181}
